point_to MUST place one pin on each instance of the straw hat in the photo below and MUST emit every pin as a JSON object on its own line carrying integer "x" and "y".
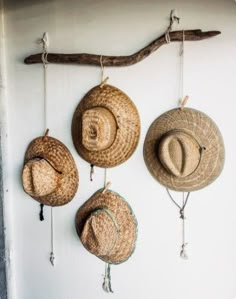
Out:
{"x": 107, "y": 226}
{"x": 184, "y": 150}
{"x": 105, "y": 126}
{"x": 49, "y": 174}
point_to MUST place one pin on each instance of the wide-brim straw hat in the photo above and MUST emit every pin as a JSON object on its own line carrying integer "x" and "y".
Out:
{"x": 107, "y": 227}
{"x": 49, "y": 174}
{"x": 106, "y": 126}
{"x": 184, "y": 150}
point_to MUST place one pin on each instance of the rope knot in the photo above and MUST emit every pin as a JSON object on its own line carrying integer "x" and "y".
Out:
{"x": 182, "y": 214}
{"x": 183, "y": 253}
{"x": 174, "y": 18}
{"x": 45, "y": 43}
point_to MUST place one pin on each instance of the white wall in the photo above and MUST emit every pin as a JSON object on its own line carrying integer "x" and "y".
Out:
{"x": 122, "y": 27}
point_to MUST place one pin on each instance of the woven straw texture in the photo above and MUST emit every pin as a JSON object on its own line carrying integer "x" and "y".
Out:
{"x": 197, "y": 169}
{"x": 49, "y": 174}
{"x": 120, "y": 141}
{"x": 110, "y": 236}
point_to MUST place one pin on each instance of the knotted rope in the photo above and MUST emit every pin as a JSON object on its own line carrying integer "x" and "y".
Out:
{"x": 173, "y": 19}
{"x": 183, "y": 253}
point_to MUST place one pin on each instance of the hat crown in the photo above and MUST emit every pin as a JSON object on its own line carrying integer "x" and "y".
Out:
{"x": 179, "y": 153}
{"x": 100, "y": 232}
{"x": 98, "y": 129}
{"x": 39, "y": 177}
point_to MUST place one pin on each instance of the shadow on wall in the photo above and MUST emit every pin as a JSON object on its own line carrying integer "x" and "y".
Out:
{"x": 16, "y": 4}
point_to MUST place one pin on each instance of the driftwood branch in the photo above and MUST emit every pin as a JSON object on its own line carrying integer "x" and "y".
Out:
{"x": 94, "y": 59}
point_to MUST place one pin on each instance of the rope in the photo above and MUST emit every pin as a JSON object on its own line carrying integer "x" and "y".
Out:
{"x": 182, "y": 52}
{"x": 183, "y": 99}
{"x": 183, "y": 253}
{"x": 173, "y": 19}
{"x": 52, "y": 257}
{"x": 45, "y": 42}
{"x": 107, "y": 279}
{"x": 103, "y": 80}
{"x": 105, "y": 177}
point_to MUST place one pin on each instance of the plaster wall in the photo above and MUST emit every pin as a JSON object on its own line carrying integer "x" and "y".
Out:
{"x": 122, "y": 27}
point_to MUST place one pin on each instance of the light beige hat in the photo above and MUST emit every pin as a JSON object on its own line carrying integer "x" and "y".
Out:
{"x": 107, "y": 226}
{"x": 184, "y": 150}
{"x": 105, "y": 126}
{"x": 49, "y": 174}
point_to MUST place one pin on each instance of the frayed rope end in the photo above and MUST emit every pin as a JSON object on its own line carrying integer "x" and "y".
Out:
{"x": 107, "y": 279}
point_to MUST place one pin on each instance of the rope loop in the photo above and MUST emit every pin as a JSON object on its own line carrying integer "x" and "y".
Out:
{"x": 173, "y": 19}
{"x": 45, "y": 43}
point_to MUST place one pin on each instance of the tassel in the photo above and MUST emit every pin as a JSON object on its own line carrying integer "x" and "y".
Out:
{"x": 41, "y": 217}
{"x": 91, "y": 172}
{"x": 107, "y": 279}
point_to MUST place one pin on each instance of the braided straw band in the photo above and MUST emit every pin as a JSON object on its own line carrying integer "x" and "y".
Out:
{"x": 115, "y": 219}
{"x": 119, "y": 146}
{"x": 192, "y": 176}
{"x": 49, "y": 174}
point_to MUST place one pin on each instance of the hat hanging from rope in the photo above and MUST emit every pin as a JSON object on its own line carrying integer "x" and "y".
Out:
{"x": 107, "y": 228}
{"x": 105, "y": 126}
{"x": 49, "y": 174}
{"x": 183, "y": 148}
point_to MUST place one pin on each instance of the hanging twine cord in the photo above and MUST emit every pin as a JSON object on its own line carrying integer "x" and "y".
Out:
{"x": 103, "y": 79}
{"x": 107, "y": 279}
{"x": 183, "y": 253}
{"x": 105, "y": 178}
{"x": 173, "y": 20}
{"x": 183, "y": 99}
{"x": 52, "y": 257}
{"x": 45, "y": 43}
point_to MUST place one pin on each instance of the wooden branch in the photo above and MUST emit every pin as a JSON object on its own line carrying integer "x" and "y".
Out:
{"x": 93, "y": 59}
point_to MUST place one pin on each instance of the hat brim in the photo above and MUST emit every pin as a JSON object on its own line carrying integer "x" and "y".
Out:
{"x": 60, "y": 158}
{"x": 204, "y": 130}
{"x": 125, "y": 220}
{"x": 128, "y": 126}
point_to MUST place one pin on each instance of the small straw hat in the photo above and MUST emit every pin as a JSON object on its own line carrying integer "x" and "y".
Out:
{"x": 49, "y": 174}
{"x": 184, "y": 150}
{"x": 107, "y": 226}
{"x": 105, "y": 126}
